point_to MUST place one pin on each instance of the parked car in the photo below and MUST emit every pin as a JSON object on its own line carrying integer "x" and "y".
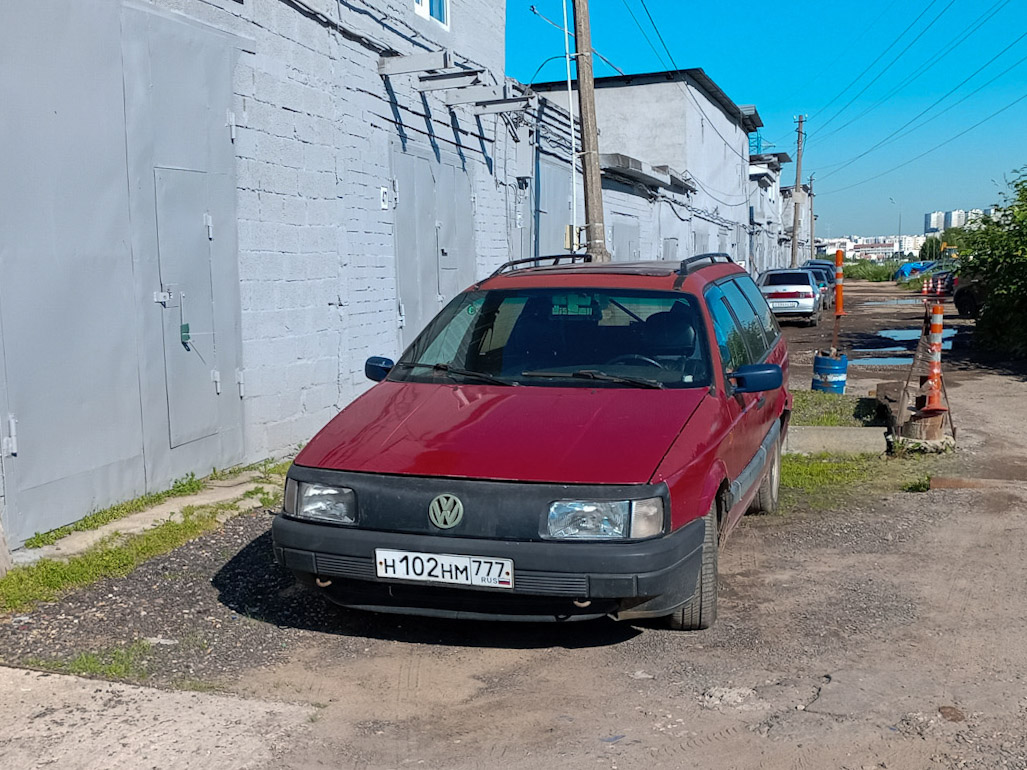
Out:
{"x": 966, "y": 296}
{"x": 561, "y": 442}
{"x": 792, "y": 294}
{"x": 828, "y": 263}
{"x": 826, "y": 281}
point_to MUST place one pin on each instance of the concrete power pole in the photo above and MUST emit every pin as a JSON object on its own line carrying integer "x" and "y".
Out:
{"x": 595, "y": 228}
{"x": 796, "y": 191}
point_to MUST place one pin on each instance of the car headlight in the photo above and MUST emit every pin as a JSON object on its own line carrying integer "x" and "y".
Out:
{"x": 319, "y": 502}
{"x": 605, "y": 520}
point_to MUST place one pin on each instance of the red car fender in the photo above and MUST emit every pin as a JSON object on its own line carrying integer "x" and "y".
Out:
{"x": 715, "y": 479}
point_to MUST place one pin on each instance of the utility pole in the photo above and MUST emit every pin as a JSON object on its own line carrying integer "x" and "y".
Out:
{"x": 595, "y": 228}
{"x": 796, "y": 192}
{"x": 812, "y": 240}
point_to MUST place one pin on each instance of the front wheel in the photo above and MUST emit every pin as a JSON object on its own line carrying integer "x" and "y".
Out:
{"x": 700, "y": 611}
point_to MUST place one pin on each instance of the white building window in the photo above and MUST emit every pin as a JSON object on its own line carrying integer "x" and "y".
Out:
{"x": 433, "y": 9}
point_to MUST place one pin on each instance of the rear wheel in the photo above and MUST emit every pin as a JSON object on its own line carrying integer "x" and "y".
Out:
{"x": 814, "y": 318}
{"x": 700, "y": 611}
{"x": 767, "y": 498}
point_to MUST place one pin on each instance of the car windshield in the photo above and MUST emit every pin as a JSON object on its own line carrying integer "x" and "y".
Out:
{"x": 797, "y": 278}
{"x": 588, "y": 337}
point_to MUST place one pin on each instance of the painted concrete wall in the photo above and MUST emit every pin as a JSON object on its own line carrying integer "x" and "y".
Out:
{"x": 315, "y": 132}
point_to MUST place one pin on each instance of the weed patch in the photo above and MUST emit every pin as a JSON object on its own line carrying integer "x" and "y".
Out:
{"x": 823, "y": 481}
{"x": 119, "y": 663}
{"x": 187, "y": 485}
{"x": 834, "y": 410}
{"x": 116, "y": 556}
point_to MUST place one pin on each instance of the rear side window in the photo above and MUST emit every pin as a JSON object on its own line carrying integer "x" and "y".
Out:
{"x": 798, "y": 278}
{"x": 730, "y": 339}
{"x": 759, "y": 304}
{"x": 752, "y": 327}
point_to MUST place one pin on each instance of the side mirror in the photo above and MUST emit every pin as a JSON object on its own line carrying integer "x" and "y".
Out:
{"x": 377, "y": 368}
{"x": 756, "y": 378}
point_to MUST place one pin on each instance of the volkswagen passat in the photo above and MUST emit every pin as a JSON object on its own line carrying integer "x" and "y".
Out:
{"x": 560, "y": 442}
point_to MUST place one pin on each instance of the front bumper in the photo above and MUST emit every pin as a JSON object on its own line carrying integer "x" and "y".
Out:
{"x": 551, "y": 579}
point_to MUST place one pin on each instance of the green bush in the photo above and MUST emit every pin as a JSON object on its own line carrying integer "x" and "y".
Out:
{"x": 868, "y": 270}
{"x": 995, "y": 256}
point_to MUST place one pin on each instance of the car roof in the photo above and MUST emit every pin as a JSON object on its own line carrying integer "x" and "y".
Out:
{"x": 689, "y": 275}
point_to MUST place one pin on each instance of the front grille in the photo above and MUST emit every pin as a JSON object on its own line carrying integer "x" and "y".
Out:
{"x": 354, "y": 567}
{"x": 538, "y": 583}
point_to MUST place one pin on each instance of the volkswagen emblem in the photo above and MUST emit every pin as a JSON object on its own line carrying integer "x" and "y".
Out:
{"x": 446, "y": 511}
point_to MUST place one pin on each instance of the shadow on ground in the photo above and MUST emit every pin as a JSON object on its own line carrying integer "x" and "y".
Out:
{"x": 253, "y": 585}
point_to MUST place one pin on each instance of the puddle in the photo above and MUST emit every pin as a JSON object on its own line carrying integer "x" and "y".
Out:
{"x": 899, "y": 349}
{"x": 904, "y": 335}
{"x": 882, "y": 361}
{"x": 895, "y": 302}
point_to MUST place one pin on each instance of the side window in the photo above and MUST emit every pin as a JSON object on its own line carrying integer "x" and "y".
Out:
{"x": 759, "y": 304}
{"x": 730, "y": 340}
{"x": 752, "y": 328}
{"x": 433, "y": 9}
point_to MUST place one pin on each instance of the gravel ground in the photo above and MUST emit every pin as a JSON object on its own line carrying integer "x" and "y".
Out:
{"x": 885, "y": 633}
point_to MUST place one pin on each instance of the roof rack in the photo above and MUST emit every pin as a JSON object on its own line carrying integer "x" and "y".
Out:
{"x": 709, "y": 258}
{"x": 534, "y": 262}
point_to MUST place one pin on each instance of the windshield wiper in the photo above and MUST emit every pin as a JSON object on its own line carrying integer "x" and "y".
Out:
{"x": 447, "y": 369}
{"x": 593, "y": 374}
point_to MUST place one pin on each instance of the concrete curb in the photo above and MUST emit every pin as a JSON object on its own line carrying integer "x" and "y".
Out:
{"x": 810, "y": 439}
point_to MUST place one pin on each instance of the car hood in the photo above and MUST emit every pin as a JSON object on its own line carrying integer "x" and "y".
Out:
{"x": 579, "y": 435}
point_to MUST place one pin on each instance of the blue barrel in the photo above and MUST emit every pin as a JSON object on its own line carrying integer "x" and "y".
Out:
{"x": 829, "y": 373}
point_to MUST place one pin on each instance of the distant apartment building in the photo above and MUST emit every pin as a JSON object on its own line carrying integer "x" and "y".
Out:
{"x": 956, "y": 218}
{"x": 937, "y": 221}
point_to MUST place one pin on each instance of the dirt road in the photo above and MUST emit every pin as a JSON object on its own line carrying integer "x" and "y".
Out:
{"x": 886, "y": 634}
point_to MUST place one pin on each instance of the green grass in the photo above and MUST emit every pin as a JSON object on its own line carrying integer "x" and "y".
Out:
{"x": 833, "y": 410}
{"x": 116, "y": 556}
{"x": 119, "y": 663}
{"x": 271, "y": 471}
{"x": 869, "y": 270}
{"x": 825, "y": 481}
{"x": 187, "y": 485}
{"x": 921, "y": 484}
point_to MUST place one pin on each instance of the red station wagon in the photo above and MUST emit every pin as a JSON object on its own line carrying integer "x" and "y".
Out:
{"x": 561, "y": 442}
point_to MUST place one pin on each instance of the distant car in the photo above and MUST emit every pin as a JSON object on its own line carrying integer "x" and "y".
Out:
{"x": 826, "y": 282}
{"x": 966, "y": 295}
{"x": 559, "y": 443}
{"x": 828, "y": 263}
{"x": 793, "y": 294}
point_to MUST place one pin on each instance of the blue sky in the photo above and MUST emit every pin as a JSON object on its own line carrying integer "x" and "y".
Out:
{"x": 858, "y": 71}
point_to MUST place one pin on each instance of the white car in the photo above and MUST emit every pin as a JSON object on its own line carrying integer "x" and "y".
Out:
{"x": 792, "y": 293}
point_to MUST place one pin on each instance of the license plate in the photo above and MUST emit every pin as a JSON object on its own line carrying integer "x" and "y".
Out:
{"x": 783, "y": 304}
{"x": 444, "y": 568}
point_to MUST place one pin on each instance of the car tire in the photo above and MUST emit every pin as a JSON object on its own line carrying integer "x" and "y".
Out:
{"x": 966, "y": 304}
{"x": 769, "y": 494}
{"x": 814, "y": 319}
{"x": 700, "y": 611}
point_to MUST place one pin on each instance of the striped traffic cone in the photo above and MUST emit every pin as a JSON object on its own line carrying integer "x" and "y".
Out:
{"x": 935, "y": 403}
{"x": 923, "y": 288}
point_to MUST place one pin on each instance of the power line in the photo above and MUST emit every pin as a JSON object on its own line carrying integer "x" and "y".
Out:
{"x": 674, "y": 65}
{"x": 936, "y": 147}
{"x": 552, "y": 23}
{"x": 934, "y": 104}
{"x": 949, "y": 47}
{"x": 888, "y": 66}
{"x": 880, "y": 56}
